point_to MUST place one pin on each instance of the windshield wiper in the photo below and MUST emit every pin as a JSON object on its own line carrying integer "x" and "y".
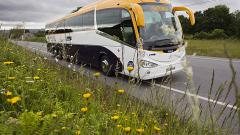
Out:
{"x": 163, "y": 44}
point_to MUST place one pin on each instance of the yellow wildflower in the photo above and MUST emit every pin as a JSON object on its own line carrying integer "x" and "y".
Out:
{"x": 39, "y": 114}
{"x": 8, "y": 93}
{"x": 155, "y": 121}
{"x": 84, "y": 109}
{"x": 36, "y": 77}
{"x": 78, "y": 132}
{"x": 54, "y": 115}
{"x": 11, "y": 78}
{"x": 127, "y": 129}
{"x": 87, "y": 95}
{"x": 115, "y": 117}
{"x": 8, "y": 49}
{"x": 119, "y": 126}
{"x": 14, "y": 100}
{"x": 8, "y": 62}
{"x": 140, "y": 130}
{"x": 134, "y": 114}
{"x": 96, "y": 74}
{"x": 157, "y": 128}
{"x": 121, "y": 91}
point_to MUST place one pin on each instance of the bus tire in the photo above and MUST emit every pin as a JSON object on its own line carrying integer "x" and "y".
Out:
{"x": 57, "y": 52}
{"x": 106, "y": 66}
{"x": 54, "y": 52}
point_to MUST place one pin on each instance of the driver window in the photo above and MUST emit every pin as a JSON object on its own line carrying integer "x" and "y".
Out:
{"x": 127, "y": 29}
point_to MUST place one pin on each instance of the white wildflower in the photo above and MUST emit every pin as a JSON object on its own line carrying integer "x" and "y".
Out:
{"x": 56, "y": 60}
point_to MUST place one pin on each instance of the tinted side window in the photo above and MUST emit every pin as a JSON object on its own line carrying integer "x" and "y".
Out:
{"x": 88, "y": 19}
{"x": 109, "y": 21}
{"x": 68, "y": 22}
{"x": 127, "y": 29}
{"x": 74, "y": 21}
{"x": 60, "y": 25}
{"x": 117, "y": 23}
{"x": 108, "y": 16}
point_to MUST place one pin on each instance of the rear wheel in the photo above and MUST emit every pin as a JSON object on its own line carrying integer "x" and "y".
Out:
{"x": 59, "y": 53}
{"x": 106, "y": 66}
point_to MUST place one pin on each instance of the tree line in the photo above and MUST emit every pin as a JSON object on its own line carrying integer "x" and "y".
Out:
{"x": 213, "y": 23}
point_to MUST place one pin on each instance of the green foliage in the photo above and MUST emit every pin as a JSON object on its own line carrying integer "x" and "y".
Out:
{"x": 36, "y": 39}
{"x": 218, "y": 17}
{"x": 218, "y": 34}
{"x": 40, "y": 34}
{"x": 16, "y": 33}
{"x": 28, "y": 123}
{"x": 215, "y": 34}
{"x": 201, "y": 35}
{"x": 237, "y": 23}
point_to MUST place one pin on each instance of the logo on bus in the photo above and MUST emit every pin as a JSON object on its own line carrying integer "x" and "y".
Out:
{"x": 130, "y": 64}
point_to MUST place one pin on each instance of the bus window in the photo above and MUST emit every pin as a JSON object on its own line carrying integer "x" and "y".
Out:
{"x": 88, "y": 20}
{"x": 127, "y": 29}
{"x": 109, "y": 21}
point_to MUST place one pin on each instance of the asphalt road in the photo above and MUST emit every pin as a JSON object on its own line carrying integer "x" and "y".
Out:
{"x": 173, "y": 93}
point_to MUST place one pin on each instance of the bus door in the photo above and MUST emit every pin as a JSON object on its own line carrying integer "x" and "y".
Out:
{"x": 129, "y": 48}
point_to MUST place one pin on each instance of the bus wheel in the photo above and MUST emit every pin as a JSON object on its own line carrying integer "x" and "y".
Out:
{"x": 54, "y": 52}
{"x": 59, "y": 54}
{"x": 105, "y": 66}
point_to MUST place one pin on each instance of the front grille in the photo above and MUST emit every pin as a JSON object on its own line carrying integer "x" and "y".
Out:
{"x": 165, "y": 48}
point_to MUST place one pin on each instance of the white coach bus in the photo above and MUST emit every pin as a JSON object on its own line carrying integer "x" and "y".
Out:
{"x": 137, "y": 38}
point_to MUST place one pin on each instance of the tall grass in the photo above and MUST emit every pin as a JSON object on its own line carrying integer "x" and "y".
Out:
{"x": 58, "y": 100}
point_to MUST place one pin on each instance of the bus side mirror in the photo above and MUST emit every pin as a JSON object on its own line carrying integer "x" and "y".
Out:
{"x": 188, "y": 11}
{"x": 138, "y": 11}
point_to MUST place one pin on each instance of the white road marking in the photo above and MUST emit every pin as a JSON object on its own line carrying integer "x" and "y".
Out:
{"x": 199, "y": 97}
{"x": 37, "y": 49}
{"x": 213, "y": 58}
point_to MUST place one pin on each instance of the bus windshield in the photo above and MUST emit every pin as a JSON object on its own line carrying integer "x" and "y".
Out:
{"x": 162, "y": 27}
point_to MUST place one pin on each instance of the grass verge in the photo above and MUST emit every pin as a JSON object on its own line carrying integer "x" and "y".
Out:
{"x": 214, "y": 48}
{"x": 39, "y": 97}
{"x": 36, "y": 39}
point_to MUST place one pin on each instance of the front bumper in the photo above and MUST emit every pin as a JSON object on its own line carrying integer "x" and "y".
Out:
{"x": 160, "y": 71}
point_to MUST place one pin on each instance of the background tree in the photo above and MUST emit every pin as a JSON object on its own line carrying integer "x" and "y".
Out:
{"x": 16, "y": 33}
{"x": 216, "y": 18}
{"x": 237, "y": 23}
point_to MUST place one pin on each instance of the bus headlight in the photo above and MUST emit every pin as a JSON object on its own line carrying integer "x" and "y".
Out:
{"x": 147, "y": 64}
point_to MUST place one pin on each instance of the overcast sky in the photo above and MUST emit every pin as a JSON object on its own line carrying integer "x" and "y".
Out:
{"x": 40, "y": 12}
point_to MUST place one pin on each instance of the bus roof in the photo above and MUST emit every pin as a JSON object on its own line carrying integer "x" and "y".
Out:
{"x": 104, "y": 4}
